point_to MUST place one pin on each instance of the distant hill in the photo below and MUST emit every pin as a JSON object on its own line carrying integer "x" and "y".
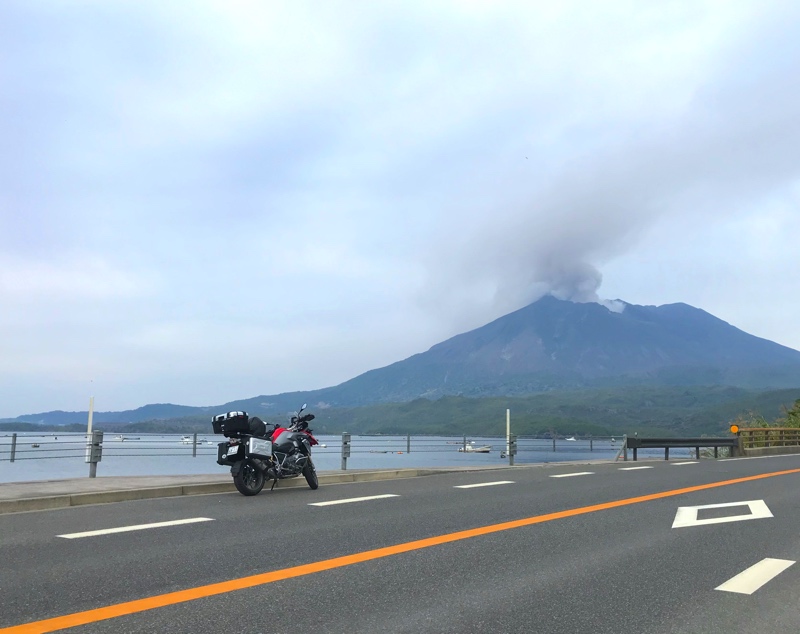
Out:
{"x": 550, "y": 345}
{"x": 596, "y": 411}
{"x": 158, "y": 411}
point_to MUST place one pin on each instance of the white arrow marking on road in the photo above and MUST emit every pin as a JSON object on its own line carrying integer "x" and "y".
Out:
{"x": 680, "y": 464}
{"x": 633, "y": 468}
{"x": 569, "y": 475}
{"x": 348, "y": 500}
{"x": 754, "y": 577}
{"x": 483, "y": 484}
{"x": 138, "y": 527}
{"x": 687, "y": 515}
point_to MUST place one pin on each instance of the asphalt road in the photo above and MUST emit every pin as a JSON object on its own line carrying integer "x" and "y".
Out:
{"x": 590, "y": 553}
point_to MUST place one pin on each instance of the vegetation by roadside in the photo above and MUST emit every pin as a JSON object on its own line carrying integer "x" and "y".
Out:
{"x": 751, "y": 418}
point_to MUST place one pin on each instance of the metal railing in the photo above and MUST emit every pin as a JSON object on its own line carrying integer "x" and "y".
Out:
{"x": 758, "y": 437}
{"x": 358, "y": 451}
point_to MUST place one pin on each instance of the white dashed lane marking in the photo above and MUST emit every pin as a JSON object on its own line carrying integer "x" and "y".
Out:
{"x": 137, "y": 527}
{"x": 633, "y": 468}
{"x": 754, "y": 577}
{"x": 349, "y": 500}
{"x": 571, "y": 475}
{"x": 483, "y": 484}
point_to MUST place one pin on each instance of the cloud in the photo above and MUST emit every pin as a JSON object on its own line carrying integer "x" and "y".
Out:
{"x": 723, "y": 152}
{"x": 78, "y": 278}
{"x": 239, "y": 198}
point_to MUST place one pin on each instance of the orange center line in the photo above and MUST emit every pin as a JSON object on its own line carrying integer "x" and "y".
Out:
{"x": 191, "y": 594}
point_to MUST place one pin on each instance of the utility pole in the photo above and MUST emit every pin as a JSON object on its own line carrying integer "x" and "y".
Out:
{"x": 508, "y": 431}
{"x": 90, "y": 456}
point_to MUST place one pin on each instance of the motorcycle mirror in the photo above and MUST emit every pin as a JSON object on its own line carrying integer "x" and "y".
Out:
{"x": 304, "y": 406}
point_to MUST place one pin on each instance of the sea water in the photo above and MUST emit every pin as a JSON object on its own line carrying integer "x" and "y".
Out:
{"x": 59, "y": 456}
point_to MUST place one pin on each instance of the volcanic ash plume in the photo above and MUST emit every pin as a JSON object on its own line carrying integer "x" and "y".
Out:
{"x": 571, "y": 281}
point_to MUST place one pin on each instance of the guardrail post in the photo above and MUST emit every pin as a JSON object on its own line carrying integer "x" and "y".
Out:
{"x": 624, "y": 447}
{"x": 408, "y": 443}
{"x": 512, "y": 449}
{"x": 94, "y": 452}
{"x": 554, "y": 443}
{"x": 13, "y": 446}
{"x": 591, "y": 443}
{"x": 666, "y": 453}
{"x": 465, "y": 445}
{"x": 194, "y": 445}
{"x": 345, "y": 449}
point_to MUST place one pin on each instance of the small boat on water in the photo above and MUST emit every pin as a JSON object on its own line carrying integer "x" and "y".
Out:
{"x": 188, "y": 440}
{"x": 571, "y": 439}
{"x": 124, "y": 438}
{"x": 474, "y": 449}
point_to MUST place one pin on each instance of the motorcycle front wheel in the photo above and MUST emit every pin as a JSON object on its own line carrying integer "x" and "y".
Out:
{"x": 310, "y": 474}
{"x": 249, "y": 480}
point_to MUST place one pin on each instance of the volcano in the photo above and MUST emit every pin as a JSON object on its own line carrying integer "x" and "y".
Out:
{"x": 546, "y": 346}
{"x": 553, "y": 344}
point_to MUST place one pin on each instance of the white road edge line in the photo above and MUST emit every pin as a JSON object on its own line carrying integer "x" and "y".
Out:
{"x": 482, "y": 484}
{"x": 138, "y": 527}
{"x": 348, "y": 500}
{"x": 569, "y": 475}
{"x": 757, "y": 457}
{"x": 754, "y": 577}
{"x": 679, "y": 464}
{"x": 633, "y": 468}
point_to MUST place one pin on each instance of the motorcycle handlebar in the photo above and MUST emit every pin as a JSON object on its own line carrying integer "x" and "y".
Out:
{"x": 300, "y": 423}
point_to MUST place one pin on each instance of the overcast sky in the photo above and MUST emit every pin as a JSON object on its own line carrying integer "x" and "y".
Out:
{"x": 205, "y": 201}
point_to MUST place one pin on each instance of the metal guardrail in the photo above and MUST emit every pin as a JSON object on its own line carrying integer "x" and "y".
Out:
{"x": 635, "y": 443}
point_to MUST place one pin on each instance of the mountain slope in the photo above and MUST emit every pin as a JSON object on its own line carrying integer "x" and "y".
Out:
{"x": 554, "y": 344}
{"x": 549, "y": 345}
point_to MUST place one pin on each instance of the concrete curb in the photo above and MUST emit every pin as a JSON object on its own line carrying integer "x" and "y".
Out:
{"x": 34, "y": 504}
{"x": 124, "y": 495}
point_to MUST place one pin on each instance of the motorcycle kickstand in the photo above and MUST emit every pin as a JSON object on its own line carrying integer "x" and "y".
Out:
{"x": 274, "y": 482}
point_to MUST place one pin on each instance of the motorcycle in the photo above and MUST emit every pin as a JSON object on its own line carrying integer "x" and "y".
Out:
{"x": 256, "y": 454}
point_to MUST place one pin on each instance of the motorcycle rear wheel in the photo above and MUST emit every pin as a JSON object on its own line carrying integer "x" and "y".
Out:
{"x": 310, "y": 474}
{"x": 249, "y": 480}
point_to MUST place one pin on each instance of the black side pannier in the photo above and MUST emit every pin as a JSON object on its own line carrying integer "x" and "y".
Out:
{"x": 227, "y": 455}
{"x": 231, "y": 423}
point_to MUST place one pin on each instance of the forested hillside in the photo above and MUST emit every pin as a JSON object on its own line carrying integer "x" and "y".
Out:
{"x": 646, "y": 410}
